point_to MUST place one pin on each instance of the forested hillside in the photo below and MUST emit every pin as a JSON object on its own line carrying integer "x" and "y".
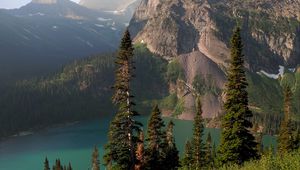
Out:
{"x": 80, "y": 90}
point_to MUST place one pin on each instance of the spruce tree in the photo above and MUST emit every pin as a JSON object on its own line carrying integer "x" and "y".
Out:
{"x": 208, "y": 151}
{"x": 95, "y": 159}
{"x": 46, "y": 164}
{"x": 237, "y": 143}
{"x": 187, "y": 160}
{"x": 120, "y": 150}
{"x": 286, "y": 136}
{"x": 197, "y": 143}
{"x": 154, "y": 154}
{"x": 171, "y": 161}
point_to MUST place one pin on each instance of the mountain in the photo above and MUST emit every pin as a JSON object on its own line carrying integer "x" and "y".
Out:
{"x": 121, "y": 8}
{"x": 271, "y": 29}
{"x": 42, "y": 35}
{"x": 108, "y": 5}
{"x": 196, "y": 34}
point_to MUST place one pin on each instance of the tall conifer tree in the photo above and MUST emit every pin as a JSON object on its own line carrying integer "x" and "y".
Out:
{"x": 171, "y": 161}
{"x": 208, "y": 152}
{"x": 197, "y": 142}
{"x": 156, "y": 141}
{"x": 122, "y": 140}
{"x": 286, "y": 136}
{"x": 237, "y": 143}
{"x": 187, "y": 160}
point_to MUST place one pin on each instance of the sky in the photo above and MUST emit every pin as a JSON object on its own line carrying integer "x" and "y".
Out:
{"x": 9, "y": 4}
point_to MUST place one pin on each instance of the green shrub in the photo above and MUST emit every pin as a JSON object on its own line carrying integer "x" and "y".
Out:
{"x": 289, "y": 161}
{"x": 175, "y": 71}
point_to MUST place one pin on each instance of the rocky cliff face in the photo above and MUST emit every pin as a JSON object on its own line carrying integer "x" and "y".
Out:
{"x": 185, "y": 28}
{"x": 271, "y": 29}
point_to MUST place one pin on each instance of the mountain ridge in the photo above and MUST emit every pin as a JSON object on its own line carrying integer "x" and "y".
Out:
{"x": 49, "y": 35}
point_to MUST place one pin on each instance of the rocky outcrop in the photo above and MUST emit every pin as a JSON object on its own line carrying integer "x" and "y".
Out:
{"x": 197, "y": 64}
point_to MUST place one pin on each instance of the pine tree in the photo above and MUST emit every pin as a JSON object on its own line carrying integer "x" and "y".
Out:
{"x": 237, "y": 143}
{"x": 187, "y": 160}
{"x": 120, "y": 150}
{"x": 46, "y": 164}
{"x": 156, "y": 140}
{"x": 286, "y": 138}
{"x": 140, "y": 153}
{"x": 171, "y": 161}
{"x": 95, "y": 159}
{"x": 197, "y": 143}
{"x": 208, "y": 151}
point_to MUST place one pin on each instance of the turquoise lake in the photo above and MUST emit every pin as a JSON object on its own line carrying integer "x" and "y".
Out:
{"x": 74, "y": 143}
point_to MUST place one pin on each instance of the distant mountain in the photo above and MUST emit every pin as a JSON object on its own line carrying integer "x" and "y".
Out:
{"x": 45, "y": 1}
{"x": 44, "y": 34}
{"x": 109, "y": 5}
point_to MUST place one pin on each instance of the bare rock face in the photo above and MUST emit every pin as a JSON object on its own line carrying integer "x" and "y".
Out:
{"x": 194, "y": 64}
{"x": 197, "y": 33}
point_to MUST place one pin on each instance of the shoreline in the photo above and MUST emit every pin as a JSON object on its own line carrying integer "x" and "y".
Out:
{"x": 38, "y": 129}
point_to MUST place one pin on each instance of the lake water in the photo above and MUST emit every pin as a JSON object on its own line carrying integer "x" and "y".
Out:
{"x": 75, "y": 143}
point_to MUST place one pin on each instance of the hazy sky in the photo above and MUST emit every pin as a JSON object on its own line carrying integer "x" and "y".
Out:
{"x": 8, "y": 4}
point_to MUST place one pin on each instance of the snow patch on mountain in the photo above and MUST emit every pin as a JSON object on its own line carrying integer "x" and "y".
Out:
{"x": 37, "y": 14}
{"x": 273, "y": 76}
{"x": 104, "y": 19}
{"x": 99, "y": 25}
